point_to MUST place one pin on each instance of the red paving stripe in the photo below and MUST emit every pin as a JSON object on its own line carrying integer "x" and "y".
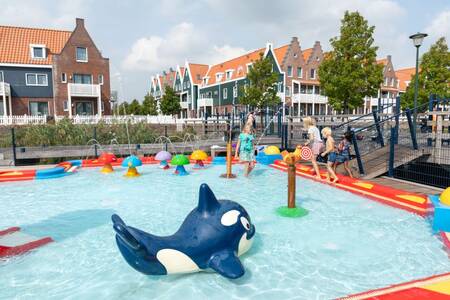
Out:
{"x": 411, "y": 294}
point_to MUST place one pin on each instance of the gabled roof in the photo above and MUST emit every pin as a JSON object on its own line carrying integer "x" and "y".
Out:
{"x": 238, "y": 65}
{"x": 15, "y": 44}
{"x": 197, "y": 71}
{"x": 280, "y": 53}
{"x": 382, "y": 61}
{"x": 404, "y": 76}
{"x": 306, "y": 54}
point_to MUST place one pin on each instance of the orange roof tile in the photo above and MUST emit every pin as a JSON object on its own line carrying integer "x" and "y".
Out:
{"x": 307, "y": 53}
{"x": 280, "y": 53}
{"x": 403, "y": 76}
{"x": 239, "y": 64}
{"x": 15, "y": 44}
{"x": 197, "y": 71}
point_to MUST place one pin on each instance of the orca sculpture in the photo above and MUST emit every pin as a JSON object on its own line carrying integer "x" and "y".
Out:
{"x": 212, "y": 236}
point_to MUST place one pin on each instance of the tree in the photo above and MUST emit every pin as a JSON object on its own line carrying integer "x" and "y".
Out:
{"x": 350, "y": 72}
{"x": 149, "y": 106}
{"x": 134, "y": 108}
{"x": 170, "y": 102}
{"x": 122, "y": 108}
{"x": 261, "y": 91}
{"x": 434, "y": 76}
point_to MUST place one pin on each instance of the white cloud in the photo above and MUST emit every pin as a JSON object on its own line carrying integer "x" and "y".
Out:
{"x": 182, "y": 42}
{"x": 440, "y": 26}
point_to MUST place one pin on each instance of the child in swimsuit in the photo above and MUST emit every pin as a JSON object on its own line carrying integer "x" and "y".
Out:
{"x": 344, "y": 153}
{"x": 245, "y": 150}
{"x": 314, "y": 141}
{"x": 332, "y": 155}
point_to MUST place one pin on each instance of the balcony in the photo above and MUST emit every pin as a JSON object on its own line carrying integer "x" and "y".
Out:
{"x": 309, "y": 98}
{"x": 202, "y": 102}
{"x": 184, "y": 105}
{"x": 5, "y": 89}
{"x": 83, "y": 90}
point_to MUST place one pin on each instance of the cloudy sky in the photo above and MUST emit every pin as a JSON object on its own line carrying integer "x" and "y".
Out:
{"x": 142, "y": 38}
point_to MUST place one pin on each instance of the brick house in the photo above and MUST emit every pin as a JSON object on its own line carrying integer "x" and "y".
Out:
{"x": 52, "y": 72}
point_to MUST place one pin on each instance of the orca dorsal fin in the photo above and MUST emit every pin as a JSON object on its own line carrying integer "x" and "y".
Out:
{"x": 207, "y": 202}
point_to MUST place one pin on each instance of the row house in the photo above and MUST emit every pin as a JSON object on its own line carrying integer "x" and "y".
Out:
{"x": 52, "y": 72}
{"x": 222, "y": 85}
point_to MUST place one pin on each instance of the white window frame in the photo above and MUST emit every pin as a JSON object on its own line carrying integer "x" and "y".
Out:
{"x": 229, "y": 74}
{"x": 2, "y": 77}
{"x": 292, "y": 71}
{"x": 66, "y": 105}
{"x": 79, "y": 60}
{"x": 235, "y": 91}
{"x": 301, "y": 72}
{"x": 225, "y": 93}
{"x": 100, "y": 79}
{"x": 219, "y": 76}
{"x": 44, "y": 51}
{"x": 312, "y": 77}
{"x": 249, "y": 65}
{"x": 36, "y": 75}
{"x": 63, "y": 77}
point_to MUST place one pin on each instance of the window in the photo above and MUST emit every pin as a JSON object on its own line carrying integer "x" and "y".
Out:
{"x": 188, "y": 84}
{"x": 393, "y": 82}
{"x": 218, "y": 76}
{"x": 289, "y": 71}
{"x": 295, "y": 54}
{"x": 38, "y": 108}
{"x": 280, "y": 87}
{"x": 228, "y": 75}
{"x": 312, "y": 74}
{"x": 235, "y": 91}
{"x": 81, "y": 54}
{"x": 299, "y": 72}
{"x": 66, "y": 105}
{"x": 1, "y": 76}
{"x": 36, "y": 79}
{"x": 38, "y": 51}
{"x": 225, "y": 93}
{"x": 100, "y": 79}
{"x": 63, "y": 77}
{"x": 386, "y": 81}
{"x": 82, "y": 78}
{"x": 288, "y": 91}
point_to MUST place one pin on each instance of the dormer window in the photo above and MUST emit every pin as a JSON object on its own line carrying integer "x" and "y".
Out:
{"x": 219, "y": 76}
{"x": 229, "y": 74}
{"x": 38, "y": 51}
{"x": 81, "y": 54}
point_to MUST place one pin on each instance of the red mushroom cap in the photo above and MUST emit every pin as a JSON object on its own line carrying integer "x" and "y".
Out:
{"x": 107, "y": 157}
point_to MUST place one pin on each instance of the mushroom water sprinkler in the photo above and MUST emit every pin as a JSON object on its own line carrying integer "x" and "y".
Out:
{"x": 107, "y": 158}
{"x": 132, "y": 162}
{"x": 291, "y": 210}
{"x": 163, "y": 157}
{"x": 199, "y": 156}
{"x": 180, "y": 161}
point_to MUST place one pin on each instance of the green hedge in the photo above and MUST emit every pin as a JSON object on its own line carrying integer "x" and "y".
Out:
{"x": 66, "y": 133}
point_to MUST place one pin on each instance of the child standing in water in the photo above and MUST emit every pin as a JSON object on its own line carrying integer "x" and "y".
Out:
{"x": 332, "y": 155}
{"x": 314, "y": 142}
{"x": 245, "y": 150}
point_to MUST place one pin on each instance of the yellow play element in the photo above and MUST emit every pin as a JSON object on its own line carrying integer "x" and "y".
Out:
{"x": 413, "y": 198}
{"x": 272, "y": 150}
{"x": 363, "y": 185}
{"x": 132, "y": 172}
{"x": 13, "y": 173}
{"x": 296, "y": 154}
{"x": 107, "y": 168}
{"x": 445, "y": 197}
{"x": 304, "y": 169}
{"x": 440, "y": 287}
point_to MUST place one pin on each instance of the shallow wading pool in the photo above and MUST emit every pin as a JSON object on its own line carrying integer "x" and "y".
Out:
{"x": 346, "y": 244}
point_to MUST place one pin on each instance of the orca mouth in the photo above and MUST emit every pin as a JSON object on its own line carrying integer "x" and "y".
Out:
{"x": 251, "y": 232}
{"x": 127, "y": 237}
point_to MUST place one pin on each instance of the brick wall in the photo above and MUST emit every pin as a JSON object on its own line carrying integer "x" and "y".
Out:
{"x": 20, "y": 105}
{"x": 66, "y": 63}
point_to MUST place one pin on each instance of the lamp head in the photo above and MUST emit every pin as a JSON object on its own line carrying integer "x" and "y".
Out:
{"x": 418, "y": 38}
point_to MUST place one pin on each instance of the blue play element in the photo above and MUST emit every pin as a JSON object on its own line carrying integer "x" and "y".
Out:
{"x": 219, "y": 160}
{"x": 265, "y": 159}
{"x": 76, "y": 162}
{"x": 132, "y": 161}
{"x": 163, "y": 164}
{"x": 181, "y": 171}
{"x": 212, "y": 236}
{"x": 441, "y": 220}
{"x": 51, "y": 173}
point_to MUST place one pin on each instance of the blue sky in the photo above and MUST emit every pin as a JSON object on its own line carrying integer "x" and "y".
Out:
{"x": 142, "y": 38}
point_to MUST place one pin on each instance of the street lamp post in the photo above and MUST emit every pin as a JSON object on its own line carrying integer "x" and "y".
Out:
{"x": 417, "y": 41}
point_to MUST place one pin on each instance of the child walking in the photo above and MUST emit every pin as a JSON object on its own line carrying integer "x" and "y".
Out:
{"x": 331, "y": 151}
{"x": 245, "y": 149}
{"x": 314, "y": 142}
{"x": 344, "y": 153}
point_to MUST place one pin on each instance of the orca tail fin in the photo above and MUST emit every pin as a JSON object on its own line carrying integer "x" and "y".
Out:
{"x": 125, "y": 235}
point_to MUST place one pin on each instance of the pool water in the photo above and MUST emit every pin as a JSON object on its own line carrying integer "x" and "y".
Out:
{"x": 346, "y": 244}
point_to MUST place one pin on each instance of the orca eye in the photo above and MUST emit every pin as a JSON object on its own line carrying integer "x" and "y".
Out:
{"x": 245, "y": 223}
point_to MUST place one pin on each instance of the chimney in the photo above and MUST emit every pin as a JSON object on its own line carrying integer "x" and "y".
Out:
{"x": 79, "y": 22}
{"x": 389, "y": 57}
{"x": 294, "y": 39}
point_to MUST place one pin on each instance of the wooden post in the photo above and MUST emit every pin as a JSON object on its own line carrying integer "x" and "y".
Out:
{"x": 291, "y": 185}
{"x": 229, "y": 173}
